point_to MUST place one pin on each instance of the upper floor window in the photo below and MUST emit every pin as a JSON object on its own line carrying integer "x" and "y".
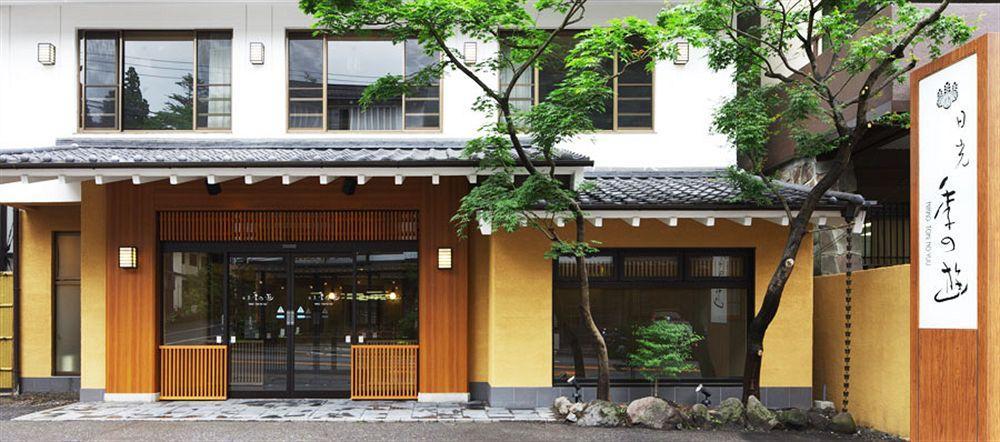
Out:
{"x": 630, "y": 107}
{"x": 155, "y": 80}
{"x": 349, "y": 65}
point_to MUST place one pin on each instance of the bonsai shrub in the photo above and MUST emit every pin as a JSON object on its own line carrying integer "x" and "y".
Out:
{"x": 663, "y": 350}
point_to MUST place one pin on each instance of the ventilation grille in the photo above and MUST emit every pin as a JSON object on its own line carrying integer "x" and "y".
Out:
{"x": 261, "y": 226}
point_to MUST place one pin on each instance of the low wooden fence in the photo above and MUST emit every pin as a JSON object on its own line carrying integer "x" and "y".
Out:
{"x": 193, "y": 372}
{"x": 6, "y": 331}
{"x": 384, "y": 371}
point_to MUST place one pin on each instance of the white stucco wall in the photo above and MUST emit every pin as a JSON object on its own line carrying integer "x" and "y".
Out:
{"x": 39, "y": 103}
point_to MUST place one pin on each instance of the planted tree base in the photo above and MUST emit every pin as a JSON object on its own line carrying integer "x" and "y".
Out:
{"x": 732, "y": 414}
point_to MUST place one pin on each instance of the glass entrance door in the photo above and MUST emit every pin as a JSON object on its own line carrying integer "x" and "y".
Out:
{"x": 258, "y": 318}
{"x": 290, "y": 324}
{"x": 292, "y": 318}
{"x": 322, "y": 334}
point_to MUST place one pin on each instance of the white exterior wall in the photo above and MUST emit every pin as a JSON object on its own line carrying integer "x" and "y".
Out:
{"x": 39, "y": 103}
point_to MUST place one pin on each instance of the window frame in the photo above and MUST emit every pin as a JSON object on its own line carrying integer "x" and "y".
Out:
{"x": 536, "y": 98}
{"x": 120, "y": 37}
{"x": 748, "y": 282}
{"x": 55, "y": 283}
{"x": 374, "y": 36}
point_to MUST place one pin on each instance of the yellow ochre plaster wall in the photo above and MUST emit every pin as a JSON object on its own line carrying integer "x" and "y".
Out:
{"x": 93, "y": 245}
{"x": 518, "y": 335}
{"x": 38, "y": 224}
{"x": 880, "y": 346}
{"x": 479, "y": 290}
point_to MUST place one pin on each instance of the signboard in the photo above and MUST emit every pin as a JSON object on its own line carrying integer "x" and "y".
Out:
{"x": 948, "y": 206}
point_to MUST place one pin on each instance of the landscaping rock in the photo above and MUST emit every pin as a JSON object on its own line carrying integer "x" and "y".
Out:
{"x": 561, "y": 406}
{"x": 653, "y": 412}
{"x": 731, "y": 411}
{"x": 793, "y": 418}
{"x": 574, "y": 411}
{"x": 759, "y": 417}
{"x": 602, "y": 414}
{"x": 843, "y": 423}
{"x": 825, "y": 407}
{"x": 818, "y": 420}
{"x": 698, "y": 416}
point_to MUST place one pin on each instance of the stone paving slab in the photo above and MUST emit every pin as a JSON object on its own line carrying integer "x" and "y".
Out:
{"x": 281, "y": 410}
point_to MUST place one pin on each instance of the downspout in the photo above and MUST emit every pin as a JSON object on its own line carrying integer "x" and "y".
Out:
{"x": 15, "y": 269}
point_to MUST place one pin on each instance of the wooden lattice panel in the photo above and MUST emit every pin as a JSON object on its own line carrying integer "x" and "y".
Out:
{"x": 384, "y": 371}
{"x": 262, "y": 226}
{"x": 193, "y": 372}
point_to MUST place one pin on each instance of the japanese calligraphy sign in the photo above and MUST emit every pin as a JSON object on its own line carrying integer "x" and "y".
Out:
{"x": 948, "y": 203}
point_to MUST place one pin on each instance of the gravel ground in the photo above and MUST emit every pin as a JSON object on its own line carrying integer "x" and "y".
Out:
{"x": 244, "y": 431}
{"x": 14, "y": 406}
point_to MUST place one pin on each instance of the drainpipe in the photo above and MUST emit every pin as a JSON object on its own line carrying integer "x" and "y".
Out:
{"x": 15, "y": 269}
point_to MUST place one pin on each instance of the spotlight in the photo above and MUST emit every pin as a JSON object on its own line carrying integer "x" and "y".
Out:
{"x": 213, "y": 189}
{"x": 701, "y": 389}
{"x": 350, "y": 185}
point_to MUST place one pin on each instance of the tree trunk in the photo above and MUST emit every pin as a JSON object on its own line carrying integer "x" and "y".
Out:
{"x": 769, "y": 306}
{"x": 603, "y": 368}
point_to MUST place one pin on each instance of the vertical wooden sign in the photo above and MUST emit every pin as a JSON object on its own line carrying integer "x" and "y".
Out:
{"x": 955, "y": 265}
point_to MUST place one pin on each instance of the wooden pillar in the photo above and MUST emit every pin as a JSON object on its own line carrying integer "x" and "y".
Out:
{"x": 443, "y": 361}
{"x": 955, "y": 271}
{"x": 132, "y": 309}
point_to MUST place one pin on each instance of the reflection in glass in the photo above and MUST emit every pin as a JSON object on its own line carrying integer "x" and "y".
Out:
{"x": 386, "y": 298}
{"x": 192, "y": 298}
{"x": 258, "y": 314}
{"x": 635, "y": 96}
{"x": 552, "y": 72}
{"x": 157, "y": 88}
{"x": 214, "y": 73}
{"x": 322, "y": 322}
{"x": 66, "y": 357}
{"x": 99, "y": 56}
{"x": 423, "y": 106}
{"x": 717, "y": 314}
{"x": 305, "y": 81}
{"x": 353, "y": 65}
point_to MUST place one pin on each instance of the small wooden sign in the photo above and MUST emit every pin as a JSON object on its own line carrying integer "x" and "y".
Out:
{"x": 955, "y": 267}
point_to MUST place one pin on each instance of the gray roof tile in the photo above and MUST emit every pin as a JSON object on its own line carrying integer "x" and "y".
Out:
{"x": 685, "y": 190}
{"x": 131, "y": 152}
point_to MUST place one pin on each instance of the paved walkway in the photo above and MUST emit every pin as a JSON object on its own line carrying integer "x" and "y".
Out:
{"x": 173, "y": 431}
{"x": 316, "y": 410}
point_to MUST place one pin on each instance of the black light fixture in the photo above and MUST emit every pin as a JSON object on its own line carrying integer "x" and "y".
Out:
{"x": 350, "y": 185}
{"x": 213, "y": 188}
{"x": 701, "y": 389}
{"x": 444, "y": 258}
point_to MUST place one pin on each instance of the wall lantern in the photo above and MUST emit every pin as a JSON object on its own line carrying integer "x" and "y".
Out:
{"x": 256, "y": 52}
{"x": 444, "y": 258}
{"x": 128, "y": 257}
{"x": 47, "y": 54}
{"x": 683, "y": 52}
{"x": 470, "y": 52}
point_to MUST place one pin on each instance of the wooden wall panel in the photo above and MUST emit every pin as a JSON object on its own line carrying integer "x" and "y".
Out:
{"x": 443, "y": 293}
{"x": 133, "y": 314}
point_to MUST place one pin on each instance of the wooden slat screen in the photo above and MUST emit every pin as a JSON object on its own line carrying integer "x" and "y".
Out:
{"x": 193, "y": 372}
{"x": 384, "y": 371}
{"x": 255, "y": 226}
{"x": 6, "y": 331}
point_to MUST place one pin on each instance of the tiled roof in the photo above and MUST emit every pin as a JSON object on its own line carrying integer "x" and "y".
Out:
{"x": 685, "y": 190}
{"x": 122, "y": 152}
